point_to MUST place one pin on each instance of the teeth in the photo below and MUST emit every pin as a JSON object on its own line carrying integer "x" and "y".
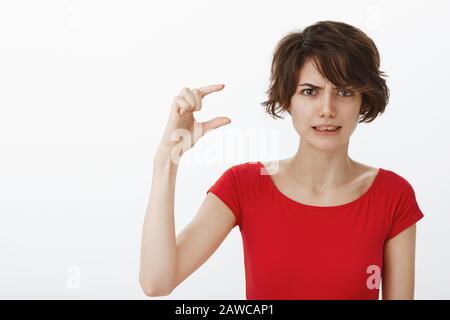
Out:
{"x": 327, "y": 128}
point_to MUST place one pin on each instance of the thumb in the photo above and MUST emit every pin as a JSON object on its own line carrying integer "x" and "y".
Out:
{"x": 214, "y": 124}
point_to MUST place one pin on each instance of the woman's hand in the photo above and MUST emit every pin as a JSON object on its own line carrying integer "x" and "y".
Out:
{"x": 182, "y": 130}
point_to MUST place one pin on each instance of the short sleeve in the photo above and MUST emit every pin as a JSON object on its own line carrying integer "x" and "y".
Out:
{"x": 407, "y": 212}
{"x": 226, "y": 189}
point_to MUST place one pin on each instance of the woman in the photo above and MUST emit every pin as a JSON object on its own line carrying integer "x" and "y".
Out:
{"x": 317, "y": 225}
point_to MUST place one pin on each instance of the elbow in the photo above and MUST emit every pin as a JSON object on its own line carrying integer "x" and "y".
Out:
{"x": 152, "y": 290}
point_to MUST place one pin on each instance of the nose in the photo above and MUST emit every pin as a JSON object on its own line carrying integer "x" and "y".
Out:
{"x": 327, "y": 109}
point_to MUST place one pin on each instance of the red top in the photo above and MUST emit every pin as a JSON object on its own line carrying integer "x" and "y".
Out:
{"x": 298, "y": 251}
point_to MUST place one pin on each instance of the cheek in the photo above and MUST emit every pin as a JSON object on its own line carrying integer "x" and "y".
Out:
{"x": 301, "y": 118}
{"x": 349, "y": 113}
{"x": 303, "y": 115}
{"x": 350, "y": 116}
{"x": 300, "y": 108}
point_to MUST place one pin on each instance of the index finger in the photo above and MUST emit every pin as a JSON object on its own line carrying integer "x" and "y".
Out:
{"x": 209, "y": 89}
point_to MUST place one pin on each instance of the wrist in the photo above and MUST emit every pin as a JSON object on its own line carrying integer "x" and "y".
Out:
{"x": 164, "y": 154}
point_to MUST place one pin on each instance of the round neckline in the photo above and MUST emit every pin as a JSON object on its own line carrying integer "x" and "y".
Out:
{"x": 308, "y": 206}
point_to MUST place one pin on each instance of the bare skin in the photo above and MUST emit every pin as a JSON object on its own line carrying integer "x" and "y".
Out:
{"x": 320, "y": 173}
{"x": 300, "y": 192}
{"x": 167, "y": 259}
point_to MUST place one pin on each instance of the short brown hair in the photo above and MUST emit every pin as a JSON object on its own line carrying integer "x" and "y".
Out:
{"x": 343, "y": 54}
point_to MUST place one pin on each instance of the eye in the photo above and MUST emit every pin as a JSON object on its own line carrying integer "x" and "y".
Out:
{"x": 345, "y": 93}
{"x": 308, "y": 92}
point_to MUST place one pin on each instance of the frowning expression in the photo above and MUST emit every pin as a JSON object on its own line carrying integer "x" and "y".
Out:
{"x": 317, "y": 103}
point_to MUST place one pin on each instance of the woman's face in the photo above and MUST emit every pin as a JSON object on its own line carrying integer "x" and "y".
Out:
{"x": 317, "y": 102}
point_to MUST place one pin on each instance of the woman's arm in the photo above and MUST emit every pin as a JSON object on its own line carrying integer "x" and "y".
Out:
{"x": 399, "y": 266}
{"x": 158, "y": 249}
{"x": 165, "y": 259}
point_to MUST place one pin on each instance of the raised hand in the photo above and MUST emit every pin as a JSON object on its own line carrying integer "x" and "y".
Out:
{"x": 182, "y": 130}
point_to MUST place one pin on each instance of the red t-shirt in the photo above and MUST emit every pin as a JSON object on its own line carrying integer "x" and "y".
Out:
{"x": 299, "y": 251}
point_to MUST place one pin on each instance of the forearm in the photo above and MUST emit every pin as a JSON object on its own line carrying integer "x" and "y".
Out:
{"x": 158, "y": 265}
{"x": 158, "y": 244}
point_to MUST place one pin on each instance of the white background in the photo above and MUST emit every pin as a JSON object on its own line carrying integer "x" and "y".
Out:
{"x": 85, "y": 88}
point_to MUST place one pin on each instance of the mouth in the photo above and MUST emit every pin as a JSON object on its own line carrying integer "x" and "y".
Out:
{"x": 327, "y": 131}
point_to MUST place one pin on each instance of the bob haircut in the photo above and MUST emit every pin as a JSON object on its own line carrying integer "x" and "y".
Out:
{"x": 343, "y": 54}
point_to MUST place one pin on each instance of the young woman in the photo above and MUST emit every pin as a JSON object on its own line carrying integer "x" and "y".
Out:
{"x": 317, "y": 225}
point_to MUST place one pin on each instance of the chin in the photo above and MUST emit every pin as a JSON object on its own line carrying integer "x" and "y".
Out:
{"x": 327, "y": 144}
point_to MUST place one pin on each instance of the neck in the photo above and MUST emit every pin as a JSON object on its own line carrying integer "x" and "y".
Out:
{"x": 319, "y": 169}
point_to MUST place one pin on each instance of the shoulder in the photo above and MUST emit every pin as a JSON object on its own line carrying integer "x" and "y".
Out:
{"x": 242, "y": 173}
{"x": 394, "y": 179}
{"x": 391, "y": 181}
{"x": 396, "y": 184}
{"x": 246, "y": 170}
{"x": 249, "y": 180}
{"x": 402, "y": 204}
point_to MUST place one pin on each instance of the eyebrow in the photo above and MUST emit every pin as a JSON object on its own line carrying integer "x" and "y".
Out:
{"x": 310, "y": 85}
{"x": 317, "y": 87}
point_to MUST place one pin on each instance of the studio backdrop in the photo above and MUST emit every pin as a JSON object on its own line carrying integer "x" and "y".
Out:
{"x": 85, "y": 93}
